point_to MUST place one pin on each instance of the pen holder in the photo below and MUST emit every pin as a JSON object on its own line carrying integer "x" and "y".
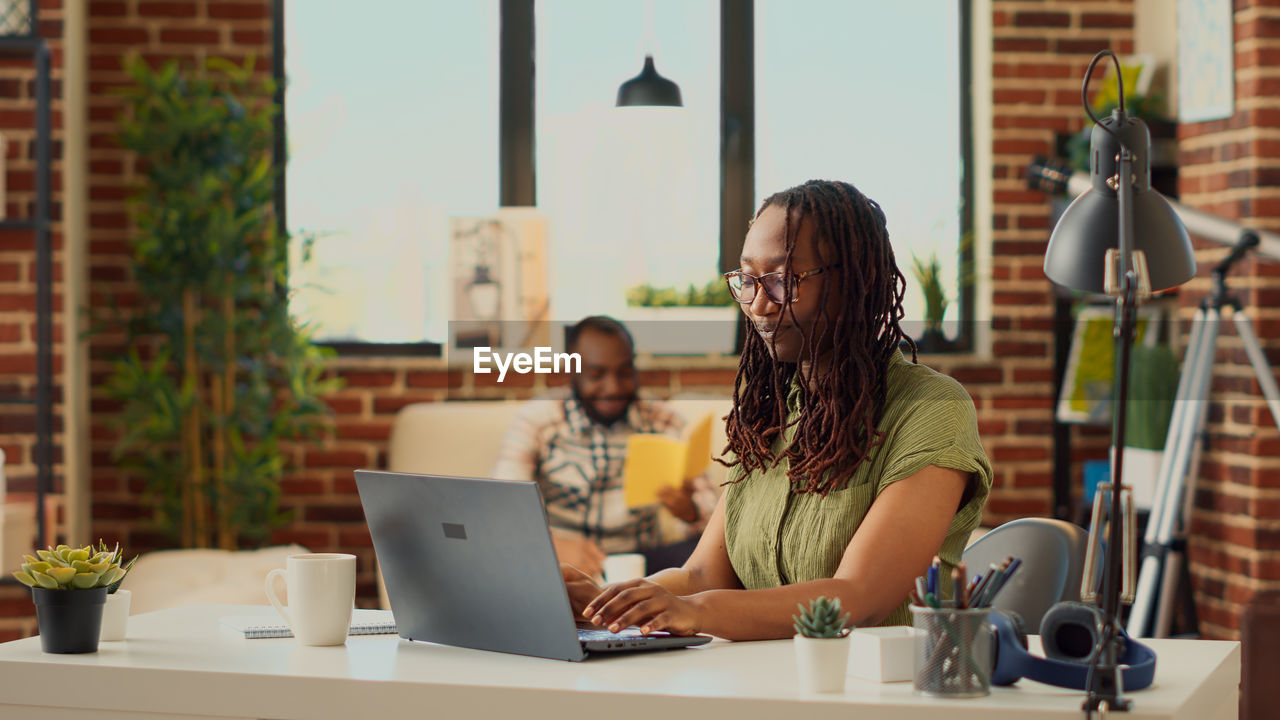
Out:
{"x": 952, "y": 652}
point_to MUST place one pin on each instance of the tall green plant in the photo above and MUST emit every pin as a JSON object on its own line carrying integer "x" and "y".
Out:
{"x": 218, "y": 374}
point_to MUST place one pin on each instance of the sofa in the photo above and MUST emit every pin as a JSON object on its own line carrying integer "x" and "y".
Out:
{"x": 462, "y": 438}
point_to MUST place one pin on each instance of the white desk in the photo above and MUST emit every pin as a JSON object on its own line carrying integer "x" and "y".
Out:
{"x": 180, "y": 663}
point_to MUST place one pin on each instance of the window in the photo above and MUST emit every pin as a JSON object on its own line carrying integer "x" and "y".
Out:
{"x": 392, "y": 129}
{"x": 632, "y": 194}
{"x": 395, "y": 129}
{"x": 870, "y": 95}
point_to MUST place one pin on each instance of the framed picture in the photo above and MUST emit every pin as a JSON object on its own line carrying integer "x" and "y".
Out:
{"x": 498, "y": 281}
{"x": 1206, "y": 60}
{"x": 1088, "y": 385}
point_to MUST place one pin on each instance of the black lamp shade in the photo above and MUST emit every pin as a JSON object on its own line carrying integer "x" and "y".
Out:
{"x": 649, "y": 89}
{"x": 1090, "y": 226}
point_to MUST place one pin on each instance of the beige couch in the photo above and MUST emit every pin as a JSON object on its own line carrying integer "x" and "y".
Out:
{"x": 462, "y": 438}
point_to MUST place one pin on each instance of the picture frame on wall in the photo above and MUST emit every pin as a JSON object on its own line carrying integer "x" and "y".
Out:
{"x": 1206, "y": 60}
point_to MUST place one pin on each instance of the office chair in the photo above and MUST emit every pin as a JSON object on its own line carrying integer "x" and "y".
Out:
{"x": 1052, "y": 553}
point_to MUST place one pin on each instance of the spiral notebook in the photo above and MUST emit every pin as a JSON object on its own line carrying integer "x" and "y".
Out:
{"x": 363, "y": 622}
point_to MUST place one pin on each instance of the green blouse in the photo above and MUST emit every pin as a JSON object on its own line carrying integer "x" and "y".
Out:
{"x": 777, "y": 537}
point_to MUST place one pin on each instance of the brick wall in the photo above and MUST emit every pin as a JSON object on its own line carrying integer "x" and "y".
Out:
{"x": 18, "y": 289}
{"x": 1231, "y": 167}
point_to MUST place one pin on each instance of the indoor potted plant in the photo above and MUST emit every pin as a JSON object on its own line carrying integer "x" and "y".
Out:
{"x": 822, "y": 645}
{"x": 694, "y": 321}
{"x": 69, "y": 587}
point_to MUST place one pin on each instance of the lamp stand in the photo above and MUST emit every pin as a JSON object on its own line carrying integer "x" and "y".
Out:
{"x": 1105, "y": 685}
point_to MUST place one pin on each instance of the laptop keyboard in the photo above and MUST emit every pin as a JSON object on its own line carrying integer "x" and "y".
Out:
{"x": 590, "y": 635}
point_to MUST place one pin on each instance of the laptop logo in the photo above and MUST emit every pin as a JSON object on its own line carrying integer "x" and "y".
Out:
{"x": 456, "y": 531}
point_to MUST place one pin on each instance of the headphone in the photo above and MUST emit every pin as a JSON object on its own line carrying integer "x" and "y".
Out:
{"x": 1068, "y": 633}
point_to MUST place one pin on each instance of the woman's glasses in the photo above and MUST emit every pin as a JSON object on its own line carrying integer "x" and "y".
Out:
{"x": 780, "y": 287}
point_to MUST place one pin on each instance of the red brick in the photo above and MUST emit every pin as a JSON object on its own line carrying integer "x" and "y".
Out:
{"x": 363, "y": 430}
{"x": 1032, "y": 375}
{"x": 1019, "y": 298}
{"x": 985, "y": 375}
{"x": 103, "y": 8}
{"x": 250, "y": 37}
{"x": 1021, "y": 402}
{"x": 354, "y": 537}
{"x": 1042, "y": 19}
{"x": 357, "y": 378}
{"x": 193, "y": 36}
{"x": 118, "y": 36}
{"x": 336, "y": 458}
{"x": 1021, "y": 147}
{"x": 434, "y": 379}
{"x": 1019, "y": 44}
{"x": 1018, "y": 454}
{"x": 1106, "y": 20}
{"x": 164, "y": 9}
{"x": 302, "y": 486}
{"x": 350, "y": 513}
{"x": 346, "y": 405}
{"x": 512, "y": 380}
{"x": 238, "y": 11}
{"x": 392, "y": 405}
{"x": 310, "y": 539}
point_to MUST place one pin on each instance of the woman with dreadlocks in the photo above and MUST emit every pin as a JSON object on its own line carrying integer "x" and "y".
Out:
{"x": 852, "y": 467}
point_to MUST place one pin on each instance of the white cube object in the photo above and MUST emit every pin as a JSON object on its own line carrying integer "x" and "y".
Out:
{"x": 882, "y": 654}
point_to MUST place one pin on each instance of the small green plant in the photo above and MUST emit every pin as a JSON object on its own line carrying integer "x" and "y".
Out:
{"x": 714, "y": 293}
{"x": 822, "y": 619}
{"x": 68, "y": 568}
{"x": 929, "y": 275}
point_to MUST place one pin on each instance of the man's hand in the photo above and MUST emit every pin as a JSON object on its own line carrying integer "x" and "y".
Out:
{"x": 643, "y": 603}
{"x": 580, "y": 553}
{"x": 680, "y": 501}
{"x": 582, "y": 589}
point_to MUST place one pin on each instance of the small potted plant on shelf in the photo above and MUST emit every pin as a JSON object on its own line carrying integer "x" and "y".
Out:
{"x": 69, "y": 587}
{"x": 822, "y": 645}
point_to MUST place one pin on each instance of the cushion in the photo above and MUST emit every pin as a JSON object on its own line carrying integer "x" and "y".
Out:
{"x": 166, "y": 578}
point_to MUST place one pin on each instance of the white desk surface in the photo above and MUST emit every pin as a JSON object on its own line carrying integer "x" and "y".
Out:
{"x": 181, "y": 663}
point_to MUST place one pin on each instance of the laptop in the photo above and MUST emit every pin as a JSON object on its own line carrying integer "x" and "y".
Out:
{"x": 469, "y": 562}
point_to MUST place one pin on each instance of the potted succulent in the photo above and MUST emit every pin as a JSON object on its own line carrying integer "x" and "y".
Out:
{"x": 822, "y": 645}
{"x": 69, "y": 587}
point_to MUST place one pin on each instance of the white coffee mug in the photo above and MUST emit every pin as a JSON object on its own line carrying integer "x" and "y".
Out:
{"x": 623, "y": 566}
{"x": 322, "y": 594}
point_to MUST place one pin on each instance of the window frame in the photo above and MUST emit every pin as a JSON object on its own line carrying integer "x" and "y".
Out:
{"x": 518, "y": 165}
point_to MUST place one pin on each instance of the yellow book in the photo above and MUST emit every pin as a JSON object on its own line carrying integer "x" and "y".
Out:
{"x": 657, "y": 461}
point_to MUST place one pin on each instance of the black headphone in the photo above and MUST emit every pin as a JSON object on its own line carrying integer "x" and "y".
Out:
{"x": 1068, "y": 633}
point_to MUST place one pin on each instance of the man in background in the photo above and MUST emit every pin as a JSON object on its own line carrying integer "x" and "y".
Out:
{"x": 573, "y": 441}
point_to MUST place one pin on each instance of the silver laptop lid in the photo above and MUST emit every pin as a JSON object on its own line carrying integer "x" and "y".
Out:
{"x": 469, "y": 562}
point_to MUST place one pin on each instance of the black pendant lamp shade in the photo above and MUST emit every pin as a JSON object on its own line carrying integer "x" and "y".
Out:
{"x": 649, "y": 88}
{"x": 1090, "y": 226}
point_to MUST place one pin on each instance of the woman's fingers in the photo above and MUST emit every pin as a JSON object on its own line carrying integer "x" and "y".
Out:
{"x": 608, "y": 611}
{"x": 643, "y": 613}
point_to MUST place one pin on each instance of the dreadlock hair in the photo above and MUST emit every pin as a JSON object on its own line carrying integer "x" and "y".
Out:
{"x": 837, "y": 428}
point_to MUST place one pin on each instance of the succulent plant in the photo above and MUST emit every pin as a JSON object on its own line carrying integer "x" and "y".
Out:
{"x": 822, "y": 619}
{"x": 68, "y": 568}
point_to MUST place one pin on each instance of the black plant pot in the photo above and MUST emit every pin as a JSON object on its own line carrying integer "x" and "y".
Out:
{"x": 69, "y": 620}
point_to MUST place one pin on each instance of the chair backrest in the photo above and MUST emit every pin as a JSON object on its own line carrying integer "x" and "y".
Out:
{"x": 1052, "y": 553}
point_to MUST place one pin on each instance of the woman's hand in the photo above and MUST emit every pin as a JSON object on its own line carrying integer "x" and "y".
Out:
{"x": 582, "y": 589}
{"x": 646, "y": 604}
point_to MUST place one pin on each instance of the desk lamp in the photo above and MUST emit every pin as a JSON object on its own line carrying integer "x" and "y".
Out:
{"x": 1120, "y": 238}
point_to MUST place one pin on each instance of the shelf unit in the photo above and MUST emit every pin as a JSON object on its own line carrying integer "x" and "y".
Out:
{"x": 31, "y": 46}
